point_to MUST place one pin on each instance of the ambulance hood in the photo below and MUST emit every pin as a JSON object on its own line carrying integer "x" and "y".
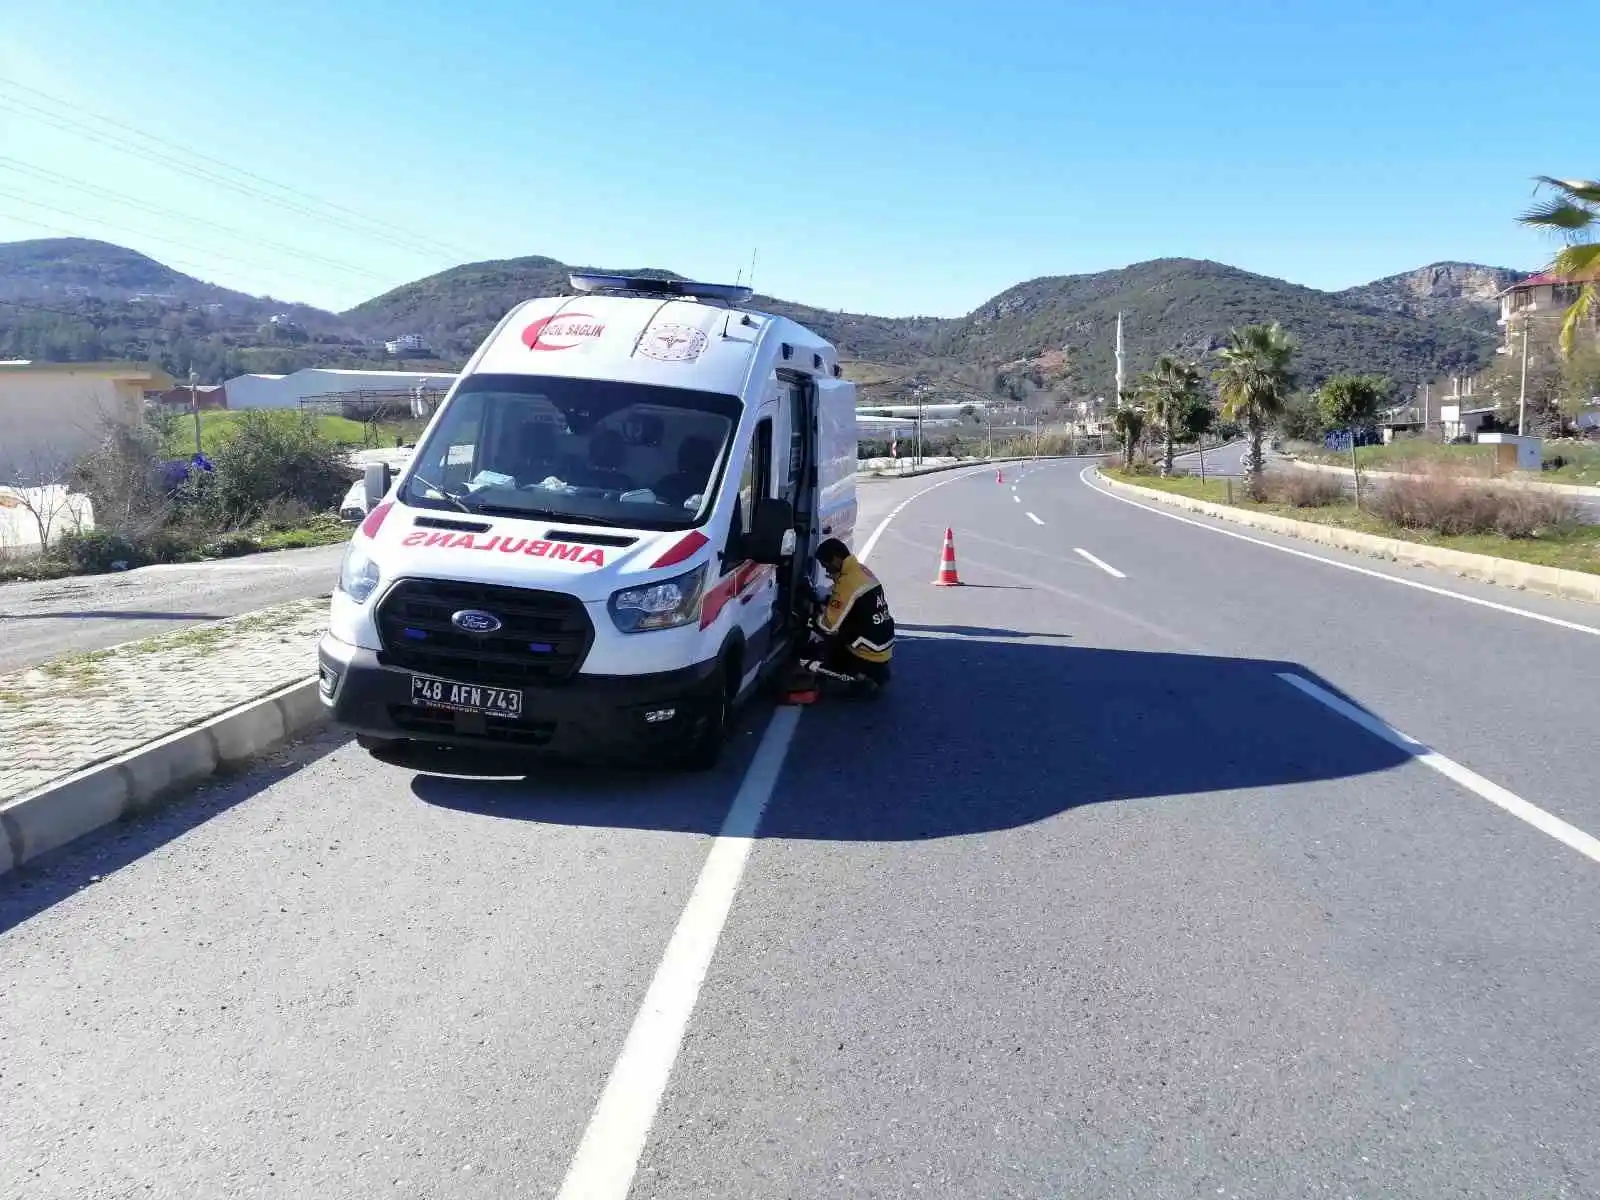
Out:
{"x": 587, "y": 561}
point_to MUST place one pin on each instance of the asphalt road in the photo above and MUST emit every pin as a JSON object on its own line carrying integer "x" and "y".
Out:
{"x": 39, "y": 621}
{"x": 1092, "y": 902}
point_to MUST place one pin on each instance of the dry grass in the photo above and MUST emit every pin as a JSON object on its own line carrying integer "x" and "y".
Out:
{"x": 1573, "y": 547}
{"x": 1441, "y": 500}
{"x": 1302, "y": 489}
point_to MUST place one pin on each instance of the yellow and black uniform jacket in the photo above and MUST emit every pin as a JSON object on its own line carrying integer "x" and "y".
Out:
{"x": 857, "y": 616}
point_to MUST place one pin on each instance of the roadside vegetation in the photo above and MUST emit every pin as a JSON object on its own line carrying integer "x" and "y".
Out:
{"x": 273, "y": 484}
{"x": 1437, "y": 510}
{"x": 1567, "y": 460}
{"x": 220, "y": 427}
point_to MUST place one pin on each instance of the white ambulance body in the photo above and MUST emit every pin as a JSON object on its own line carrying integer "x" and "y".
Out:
{"x": 602, "y": 542}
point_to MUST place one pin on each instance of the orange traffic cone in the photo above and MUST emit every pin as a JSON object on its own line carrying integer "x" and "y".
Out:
{"x": 947, "y": 563}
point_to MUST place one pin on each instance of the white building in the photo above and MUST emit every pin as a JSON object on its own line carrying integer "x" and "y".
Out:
{"x": 53, "y": 413}
{"x": 255, "y": 391}
{"x": 288, "y": 391}
{"x": 1546, "y": 298}
{"x": 406, "y": 343}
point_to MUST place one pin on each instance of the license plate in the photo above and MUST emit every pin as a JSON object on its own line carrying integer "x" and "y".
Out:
{"x": 427, "y": 692}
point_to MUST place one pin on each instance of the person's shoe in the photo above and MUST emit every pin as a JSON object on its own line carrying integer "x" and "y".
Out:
{"x": 865, "y": 688}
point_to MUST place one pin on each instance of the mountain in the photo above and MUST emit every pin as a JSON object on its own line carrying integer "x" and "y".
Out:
{"x": 1465, "y": 291}
{"x": 77, "y": 299}
{"x": 454, "y": 309}
{"x": 50, "y": 270}
{"x": 1187, "y": 306}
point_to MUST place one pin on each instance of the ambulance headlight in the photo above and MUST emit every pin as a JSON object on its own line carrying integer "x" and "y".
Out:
{"x": 663, "y": 605}
{"x": 358, "y": 575}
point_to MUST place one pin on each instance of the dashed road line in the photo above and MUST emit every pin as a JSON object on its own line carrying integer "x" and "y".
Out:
{"x": 1343, "y": 566}
{"x": 1101, "y": 563}
{"x": 1035, "y": 519}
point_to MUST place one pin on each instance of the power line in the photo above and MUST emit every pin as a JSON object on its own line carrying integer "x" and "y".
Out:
{"x": 144, "y": 233}
{"x": 53, "y": 177}
{"x": 408, "y": 242}
{"x": 193, "y": 153}
{"x": 62, "y": 232}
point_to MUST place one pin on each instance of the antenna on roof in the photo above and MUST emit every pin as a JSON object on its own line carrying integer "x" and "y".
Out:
{"x": 639, "y": 285}
{"x": 753, "y": 253}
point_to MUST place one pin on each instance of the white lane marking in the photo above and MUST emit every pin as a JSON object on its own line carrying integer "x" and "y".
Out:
{"x": 1103, "y": 565}
{"x": 1035, "y": 519}
{"x": 1016, "y": 497}
{"x": 895, "y": 512}
{"x": 608, "y": 1156}
{"x": 1569, "y": 835}
{"x": 1344, "y": 566}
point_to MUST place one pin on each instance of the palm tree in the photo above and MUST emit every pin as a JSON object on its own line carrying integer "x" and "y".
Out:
{"x": 1128, "y": 421}
{"x": 1173, "y": 389}
{"x": 1254, "y": 378}
{"x": 1574, "y": 212}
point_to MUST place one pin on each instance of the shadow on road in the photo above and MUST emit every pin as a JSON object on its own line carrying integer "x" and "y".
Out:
{"x": 108, "y": 614}
{"x": 979, "y": 734}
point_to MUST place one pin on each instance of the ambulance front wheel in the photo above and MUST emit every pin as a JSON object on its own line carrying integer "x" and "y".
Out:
{"x": 706, "y": 750}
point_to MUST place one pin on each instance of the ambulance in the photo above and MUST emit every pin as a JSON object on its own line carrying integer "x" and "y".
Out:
{"x": 602, "y": 543}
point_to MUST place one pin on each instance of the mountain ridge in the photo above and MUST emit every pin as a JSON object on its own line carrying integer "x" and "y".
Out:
{"x": 1051, "y": 334}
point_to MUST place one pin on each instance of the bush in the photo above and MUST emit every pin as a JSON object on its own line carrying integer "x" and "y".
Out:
{"x": 1449, "y": 505}
{"x": 96, "y": 551}
{"x": 273, "y": 459}
{"x": 1303, "y": 489}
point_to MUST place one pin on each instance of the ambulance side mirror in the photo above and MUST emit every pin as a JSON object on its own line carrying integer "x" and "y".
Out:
{"x": 771, "y": 537}
{"x": 376, "y": 483}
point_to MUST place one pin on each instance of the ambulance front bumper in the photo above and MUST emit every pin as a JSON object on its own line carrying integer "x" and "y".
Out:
{"x": 586, "y": 716}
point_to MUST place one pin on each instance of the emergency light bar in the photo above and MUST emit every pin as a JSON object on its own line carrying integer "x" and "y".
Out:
{"x": 726, "y": 293}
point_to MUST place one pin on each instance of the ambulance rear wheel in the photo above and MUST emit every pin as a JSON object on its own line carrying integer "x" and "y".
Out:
{"x": 712, "y": 734}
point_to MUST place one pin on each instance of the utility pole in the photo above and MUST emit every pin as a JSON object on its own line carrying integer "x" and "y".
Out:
{"x": 194, "y": 407}
{"x": 919, "y": 429}
{"x": 1522, "y": 392}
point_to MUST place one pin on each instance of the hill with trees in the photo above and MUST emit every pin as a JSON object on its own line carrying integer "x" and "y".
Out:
{"x": 73, "y": 299}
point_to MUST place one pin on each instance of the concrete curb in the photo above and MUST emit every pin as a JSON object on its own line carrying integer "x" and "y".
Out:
{"x": 1505, "y": 572}
{"x": 60, "y": 812}
{"x": 863, "y": 476}
{"x": 1527, "y": 485}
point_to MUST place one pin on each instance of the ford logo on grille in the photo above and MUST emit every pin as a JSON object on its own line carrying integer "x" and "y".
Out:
{"x": 475, "y": 620}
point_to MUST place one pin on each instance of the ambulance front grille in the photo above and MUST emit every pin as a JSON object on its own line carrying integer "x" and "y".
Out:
{"x": 543, "y": 636}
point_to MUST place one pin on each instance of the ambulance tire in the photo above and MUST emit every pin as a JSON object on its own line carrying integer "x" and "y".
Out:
{"x": 706, "y": 749}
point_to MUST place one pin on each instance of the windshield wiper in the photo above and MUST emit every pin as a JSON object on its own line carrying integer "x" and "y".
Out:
{"x": 438, "y": 491}
{"x": 546, "y": 514}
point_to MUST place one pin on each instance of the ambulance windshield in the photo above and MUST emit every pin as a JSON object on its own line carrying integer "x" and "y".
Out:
{"x": 577, "y": 450}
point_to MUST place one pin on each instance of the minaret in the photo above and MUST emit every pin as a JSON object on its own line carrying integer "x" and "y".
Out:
{"x": 1119, "y": 357}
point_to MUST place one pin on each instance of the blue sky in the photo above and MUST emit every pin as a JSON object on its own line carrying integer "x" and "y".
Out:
{"x": 892, "y": 157}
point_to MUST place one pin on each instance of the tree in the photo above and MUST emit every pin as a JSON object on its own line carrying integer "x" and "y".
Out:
{"x": 1352, "y": 402}
{"x": 1573, "y": 212}
{"x": 1129, "y": 421}
{"x": 1549, "y": 380}
{"x": 1173, "y": 390}
{"x": 1301, "y": 420}
{"x": 1254, "y": 378}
